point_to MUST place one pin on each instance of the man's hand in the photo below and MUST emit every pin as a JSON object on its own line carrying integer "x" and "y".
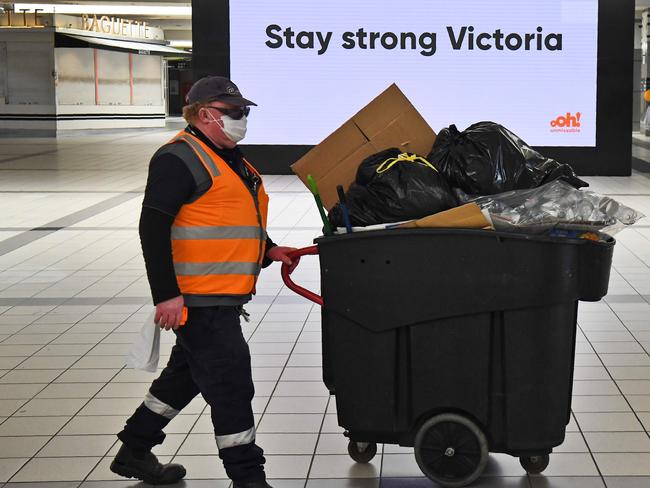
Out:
{"x": 169, "y": 313}
{"x": 280, "y": 253}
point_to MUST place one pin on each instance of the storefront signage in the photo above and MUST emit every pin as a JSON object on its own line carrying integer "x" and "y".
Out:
{"x": 115, "y": 26}
{"x": 22, "y": 18}
{"x": 102, "y": 24}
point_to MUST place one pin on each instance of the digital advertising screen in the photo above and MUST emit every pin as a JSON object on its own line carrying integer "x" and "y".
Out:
{"x": 531, "y": 66}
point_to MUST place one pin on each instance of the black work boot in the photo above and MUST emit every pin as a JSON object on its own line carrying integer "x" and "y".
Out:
{"x": 251, "y": 484}
{"x": 144, "y": 465}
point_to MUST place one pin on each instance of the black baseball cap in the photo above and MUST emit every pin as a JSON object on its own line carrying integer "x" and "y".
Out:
{"x": 213, "y": 88}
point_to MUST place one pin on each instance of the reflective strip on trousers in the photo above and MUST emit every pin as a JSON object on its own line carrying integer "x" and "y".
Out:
{"x": 206, "y": 269}
{"x": 232, "y": 440}
{"x": 159, "y": 407}
{"x": 217, "y": 232}
{"x": 202, "y": 154}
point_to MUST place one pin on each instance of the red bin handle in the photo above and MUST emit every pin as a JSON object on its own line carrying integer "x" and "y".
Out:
{"x": 303, "y": 292}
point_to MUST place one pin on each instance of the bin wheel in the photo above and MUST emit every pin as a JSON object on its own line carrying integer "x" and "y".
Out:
{"x": 362, "y": 452}
{"x": 534, "y": 464}
{"x": 451, "y": 450}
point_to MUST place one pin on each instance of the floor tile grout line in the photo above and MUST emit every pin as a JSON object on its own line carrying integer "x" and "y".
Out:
{"x": 18, "y": 333}
{"x": 18, "y": 470}
{"x": 318, "y": 436}
{"x": 18, "y": 282}
{"x": 591, "y": 454}
{"x": 306, "y": 212}
{"x": 189, "y": 431}
{"x": 646, "y": 265}
{"x": 624, "y": 325}
{"x": 16, "y": 410}
{"x": 636, "y": 416}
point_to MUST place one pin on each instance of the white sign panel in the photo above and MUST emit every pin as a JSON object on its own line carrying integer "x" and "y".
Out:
{"x": 531, "y": 66}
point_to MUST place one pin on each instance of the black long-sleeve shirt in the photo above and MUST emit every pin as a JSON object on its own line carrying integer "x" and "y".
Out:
{"x": 172, "y": 182}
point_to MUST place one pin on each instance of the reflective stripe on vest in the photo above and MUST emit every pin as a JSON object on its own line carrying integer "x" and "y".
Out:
{"x": 225, "y": 232}
{"x": 218, "y": 240}
{"x": 204, "y": 269}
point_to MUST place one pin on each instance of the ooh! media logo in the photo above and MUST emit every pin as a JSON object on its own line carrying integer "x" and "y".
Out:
{"x": 567, "y": 123}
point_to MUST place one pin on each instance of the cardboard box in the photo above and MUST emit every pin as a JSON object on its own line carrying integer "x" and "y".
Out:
{"x": 390, "y": 120}
{"x": 465, "y": 217}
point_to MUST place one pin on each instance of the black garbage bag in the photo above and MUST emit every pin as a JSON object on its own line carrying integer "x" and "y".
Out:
{"x": 391, "y": 186}
{"x": 487, "y": 158}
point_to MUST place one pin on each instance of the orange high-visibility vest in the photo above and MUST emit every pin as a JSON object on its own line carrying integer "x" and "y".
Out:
{"x": 219, "y": 240}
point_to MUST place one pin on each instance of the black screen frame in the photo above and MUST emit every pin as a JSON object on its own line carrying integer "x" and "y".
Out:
{"x": 612, "y": 155}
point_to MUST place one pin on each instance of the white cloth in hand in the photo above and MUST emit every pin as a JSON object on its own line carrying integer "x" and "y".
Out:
{"x": 145, "y": 351}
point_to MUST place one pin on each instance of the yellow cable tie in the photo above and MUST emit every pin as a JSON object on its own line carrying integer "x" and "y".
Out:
{"x": 411, "y": 158}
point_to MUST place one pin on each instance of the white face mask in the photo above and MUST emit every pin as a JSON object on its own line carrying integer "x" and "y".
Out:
{"x": 235, "y": 130}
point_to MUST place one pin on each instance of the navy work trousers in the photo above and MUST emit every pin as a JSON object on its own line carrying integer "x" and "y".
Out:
{"x": 210, "y": 357}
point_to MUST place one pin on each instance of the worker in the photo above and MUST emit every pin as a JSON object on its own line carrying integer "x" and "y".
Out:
{"x": 203, "y": 236}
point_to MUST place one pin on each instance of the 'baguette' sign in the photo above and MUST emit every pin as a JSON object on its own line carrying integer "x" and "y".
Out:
{"x": 115, "y": 26}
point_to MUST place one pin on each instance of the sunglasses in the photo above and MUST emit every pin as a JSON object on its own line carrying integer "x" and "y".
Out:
{"x": 233, "y": 113}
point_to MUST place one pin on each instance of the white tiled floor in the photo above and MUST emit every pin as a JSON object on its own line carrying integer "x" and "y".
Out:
{"x": 73, "y": 295}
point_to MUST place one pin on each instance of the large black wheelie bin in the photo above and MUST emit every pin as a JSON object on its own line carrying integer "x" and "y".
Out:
{"x": 456, "y": 342}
